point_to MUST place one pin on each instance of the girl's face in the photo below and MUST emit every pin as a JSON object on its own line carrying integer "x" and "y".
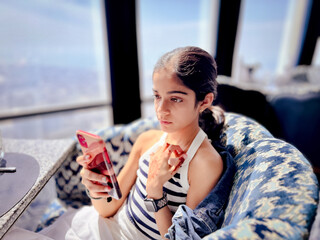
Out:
{"x": 174, "y": 103}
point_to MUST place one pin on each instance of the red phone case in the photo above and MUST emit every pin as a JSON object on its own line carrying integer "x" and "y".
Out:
{"x": 94, "y": 146}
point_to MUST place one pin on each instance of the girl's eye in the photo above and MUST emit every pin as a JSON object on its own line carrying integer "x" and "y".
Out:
{"x": 155, "y": 96}
{"x": 177, "y": 100}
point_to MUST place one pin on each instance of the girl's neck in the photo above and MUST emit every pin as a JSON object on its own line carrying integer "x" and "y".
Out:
{"x": 183, "y": 138}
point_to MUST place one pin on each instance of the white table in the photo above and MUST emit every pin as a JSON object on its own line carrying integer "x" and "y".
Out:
{"x": 50, "y": 154}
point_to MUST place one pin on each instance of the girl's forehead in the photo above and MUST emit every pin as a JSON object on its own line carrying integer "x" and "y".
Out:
{"x": 167, "y": 80}
{"x": 166, "y": 75}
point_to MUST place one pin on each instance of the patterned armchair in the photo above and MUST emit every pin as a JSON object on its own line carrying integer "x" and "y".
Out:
{"x": 274, "y": 194}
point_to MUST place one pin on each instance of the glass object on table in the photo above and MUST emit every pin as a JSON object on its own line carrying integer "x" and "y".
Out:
{"x": 1, "y": 147}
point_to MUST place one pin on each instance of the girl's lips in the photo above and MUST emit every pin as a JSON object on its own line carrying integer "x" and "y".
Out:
{"x": 164, "y": 122}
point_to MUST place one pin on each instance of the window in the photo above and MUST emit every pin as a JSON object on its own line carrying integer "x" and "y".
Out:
{"x": 260, "y": 33}
{"x": 316, "y": 55}
{"x": 168, "y": 24}
{"x": 52, "y": 58}
{"x": 269, "y": 40}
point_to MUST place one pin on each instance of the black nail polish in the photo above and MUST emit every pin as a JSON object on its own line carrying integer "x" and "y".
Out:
{"x": 109, "y": 199}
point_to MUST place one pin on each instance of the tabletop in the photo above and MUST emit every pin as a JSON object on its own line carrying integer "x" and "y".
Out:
{"x": 50, "y": 154}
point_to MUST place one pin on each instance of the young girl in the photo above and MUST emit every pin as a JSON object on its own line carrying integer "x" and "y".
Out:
{"x": 166, "y": 168}
{"x": 184, "y": 86}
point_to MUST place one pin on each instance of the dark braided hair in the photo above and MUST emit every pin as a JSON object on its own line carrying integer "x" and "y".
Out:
{"x": 197, "y": 70}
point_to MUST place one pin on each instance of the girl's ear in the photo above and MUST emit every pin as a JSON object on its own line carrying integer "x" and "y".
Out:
{"x": 207, "y": 102}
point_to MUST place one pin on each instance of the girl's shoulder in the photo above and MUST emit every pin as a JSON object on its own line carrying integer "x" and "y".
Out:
{"x": 207, "y": 158}
{"x": 205, "y": 170}
{"x": 150, "y": 135}
{"x": 148, "y": 139}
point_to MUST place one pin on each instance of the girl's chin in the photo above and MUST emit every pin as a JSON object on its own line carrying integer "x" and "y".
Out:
{"x": 166, "y": 128}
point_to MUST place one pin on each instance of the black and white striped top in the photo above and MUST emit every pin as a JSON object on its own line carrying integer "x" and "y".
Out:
{"x": 176, "y": 189}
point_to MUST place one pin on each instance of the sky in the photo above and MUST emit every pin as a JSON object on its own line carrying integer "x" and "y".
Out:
{"x": 57, "y": 33}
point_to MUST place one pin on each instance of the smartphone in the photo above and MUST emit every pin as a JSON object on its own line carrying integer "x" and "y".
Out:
{"x": 94, "y": 146}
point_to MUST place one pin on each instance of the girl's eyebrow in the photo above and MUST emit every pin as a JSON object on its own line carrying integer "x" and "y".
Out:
{"x": 173, "y": 92}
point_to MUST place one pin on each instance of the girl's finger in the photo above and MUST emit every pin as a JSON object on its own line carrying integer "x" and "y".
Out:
{"x": 174, "y": 169}
{"x": 92, "y": 176}
{"x": 165, "y": 146}
{"x": 176, "y": 163}
{"x": 173, "y": 161}
{"x": 84, "y": 159}
{"x": 176, "y": 149}
{"x": 161, "y": 149}
{"x": 80, "y": 159}
{"x": 102, "y": 194}
{"x": 94, "y": 187}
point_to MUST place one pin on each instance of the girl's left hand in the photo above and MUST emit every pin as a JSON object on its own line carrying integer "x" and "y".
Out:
{"x": 160, "y": 171}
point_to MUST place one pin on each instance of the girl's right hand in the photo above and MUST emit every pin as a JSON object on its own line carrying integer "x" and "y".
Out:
{"x": 164, "y": 163}
{"x": 93, "y": 181}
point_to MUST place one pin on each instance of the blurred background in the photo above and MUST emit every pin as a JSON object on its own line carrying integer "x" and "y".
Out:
{"x": 87, "y": 64}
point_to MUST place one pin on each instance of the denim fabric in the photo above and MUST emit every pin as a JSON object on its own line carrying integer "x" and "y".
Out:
{"x": 208, "y": 216}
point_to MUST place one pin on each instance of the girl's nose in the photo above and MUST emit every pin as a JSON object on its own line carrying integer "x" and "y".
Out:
{"x": 163, "y": 107}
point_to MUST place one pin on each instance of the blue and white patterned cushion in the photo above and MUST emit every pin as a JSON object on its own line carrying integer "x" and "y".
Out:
{"x": 274, "y": 195}
{"x": 239, "y": 131}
